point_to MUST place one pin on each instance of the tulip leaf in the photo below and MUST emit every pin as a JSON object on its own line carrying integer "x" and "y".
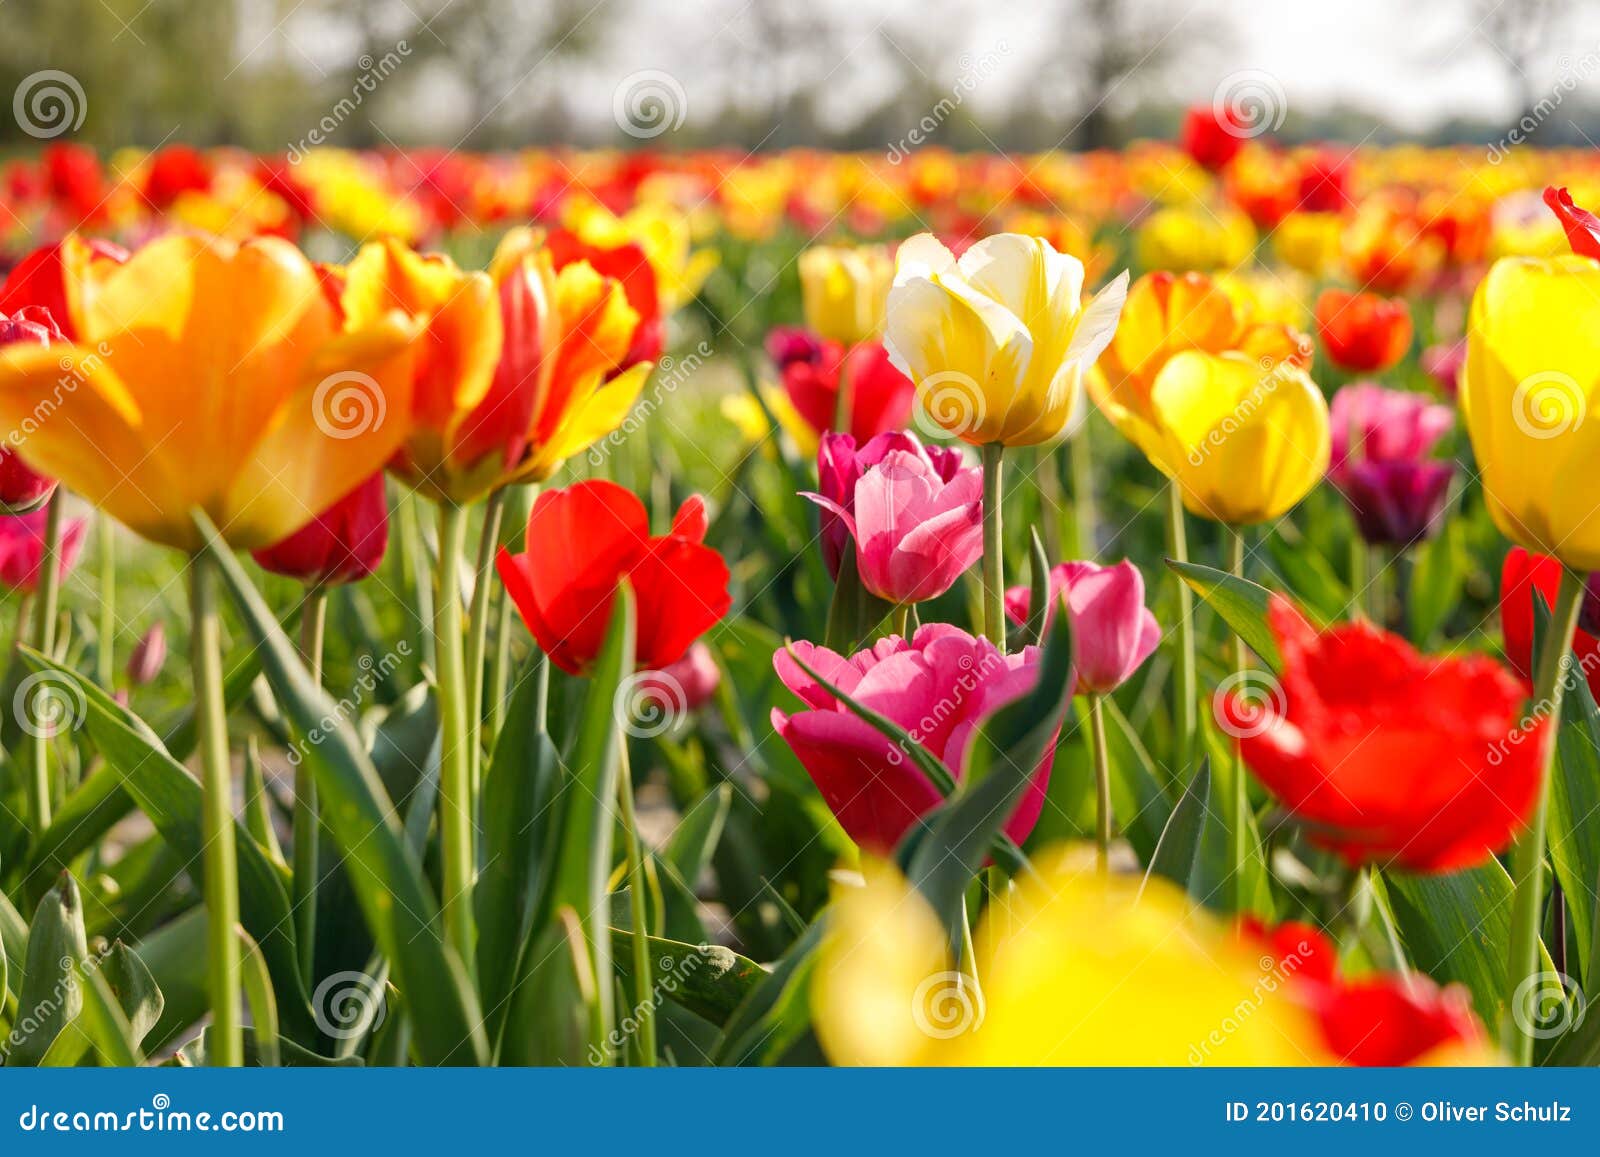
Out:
{"x": 1307, "y": 573}
{"x": 1032, "y": 632}
{"x": 172, "y": 799}
{"x": 574, "y": 921}
{"x": 855, "y": 614}
{"x": 1574, "y": 832}
{"x": 121, "y": 1004}
{"x": 518, "y": 845}
{"x": 1007, "y": 747}
{"x": 50, "y": 998}
{"x": 707, "y": 979}
{"x": 1438, "y": 579}
{"x": 776, "y": 1012}
{"x": 257, "y": 984}
{"x": 694, "y": 840}
{"x": 395, "y": 897}
{"x": 1240, "y": 603}
{"x": 1138, "y": 799}
{"x": 13, "y": 948}
{"x": 1005, "y": 850}
{"x": 1174, "y": 854}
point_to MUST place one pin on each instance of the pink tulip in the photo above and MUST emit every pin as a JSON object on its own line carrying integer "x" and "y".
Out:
{"x": 916, "y": 530}
{"x": 1112, "y": 630}
{"x": 840, "y": 465}
{"x": 938, "y": 687}
{"x": 23, "y": 488}
{"x": 22, "y": 548}
{"x": 685, "y": 685}
{"x": 1379, "y": 425}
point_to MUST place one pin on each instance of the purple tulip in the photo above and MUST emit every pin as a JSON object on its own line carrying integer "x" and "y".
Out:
{"x": 1113, "y": 632}
{"x": 840, "y": 466}
{"x": 1380, "y": 464}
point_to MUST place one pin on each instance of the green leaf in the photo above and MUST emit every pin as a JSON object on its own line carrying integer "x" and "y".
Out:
{"x": 1006, "y": 749}
{"x": 1574, "y": 830}
{"x": 1439, "y": 569}
{"x": 584, "y": 825}
{"x": 1308, "y": 575}
{"x": 518, "y": 845}
{"x": 707, "y": 979}
{"x": 397, "y": 900}
{"x": 856, "y": 614}
{"x": 257, "y": 983}
{"x": 1032, "y": 632}
{"x": 50, "y": 998}
{"x": 104, "y": 1020}
{"x": 551, "y": 1020}
{"x": 1174, "y": 855}
{"x": 777, "y": 1012}
{"x": 1241, "y": 604}
{"x": 1138, "y": 798}
{"x": 172, "y": 799}
{"x": 694, "y": 840}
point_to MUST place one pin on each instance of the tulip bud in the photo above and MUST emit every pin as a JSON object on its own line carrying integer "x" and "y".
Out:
{"x": 22, "y": 548}
{"x": 149, "y": 654}
{"x": 685, "y": 685}
{"x": 344, "y": 543}
{"x": 1112, "y": 630}
{"x": 844, "y": 291}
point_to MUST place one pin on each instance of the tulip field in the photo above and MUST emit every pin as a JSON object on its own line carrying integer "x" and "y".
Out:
{"x": 696, "y": 608}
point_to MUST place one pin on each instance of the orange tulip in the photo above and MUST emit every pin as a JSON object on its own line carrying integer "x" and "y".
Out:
{"x": 1362, "y": 332}
{"x": 214, "y": 375}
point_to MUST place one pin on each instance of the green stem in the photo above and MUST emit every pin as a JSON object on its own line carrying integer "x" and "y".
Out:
{"x": 994, "y": 590}
{"x": 1239, "y": 801}
{"x": 313, "y": 626}
{"x": 1083, "y": 508}
{"x": 643, "y": 979}
{"x": 220, "y": 861}
{"x": 105, "y": 539}
{"x": 414, "y": 555}
{"x": 46, "y": 599}
{"x": 1358, "y": 577}
{"x": 901, "y": 619}
{"x": 478, "y": 630}
{"x": 1102, "y": 784}
{"x": 1185, "y": 714}
{"x": 1527, "y": 854}
{"x": 455, "y": 764}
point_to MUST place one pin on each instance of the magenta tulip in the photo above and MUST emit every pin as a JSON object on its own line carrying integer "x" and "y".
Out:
{"x": 1380, "y": 463}
{"x": 1112, "y": 630}
{"x": 840, "y": 465}
{"x": 917, "y": 522}
{"x": 21, "y": 487}
{"x": 22, "y": 548}
{"x": 938, "y": 687}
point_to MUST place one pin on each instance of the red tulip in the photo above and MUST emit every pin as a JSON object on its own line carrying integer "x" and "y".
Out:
{"x": 583, "y": 541}
{"x": 1522, "y": 575}
{"x": 1212, "y": 137}
{"x": 811, "y": 369}
{"x": 1387, "y": 755}
{"x": 1363, "y": 332}
{"x": 21, "y": 487}
{"x": 1380, "y": 1019}
{"x": 628, "y": 264}
{"x": 1582, "y": 226}
{"x": 173, "y": 171}
{"x": 40, "y": 278}
{"x": 344, "y": 543}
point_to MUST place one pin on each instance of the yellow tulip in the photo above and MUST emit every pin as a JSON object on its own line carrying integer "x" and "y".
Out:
{"x": 844, "y": 291}
{"x": 214, "y": 375}
{"x": 1244, "y": 441}
{"x": 1075, "y": 968}
{"x": 997, "y": 343}
{"x": 1309, "y": 242}
{"x": 1194, "y": 237}
{"x": 1532, "y": 373}
{"x": 661, "y": 231}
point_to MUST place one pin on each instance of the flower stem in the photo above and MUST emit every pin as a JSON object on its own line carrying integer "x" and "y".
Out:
{"x": 1239, "y": 801}
{"x": 1358, "y": 578}
{"x": 901, "y": 619}
{"x": 1185, "y": 716}
{"x": 994, "y": 590}
{"x": 1102, "y": 784}
{"x": 105, "y": 538}
{"x": 1527, "y": 854}
{"x": 643, "y": 979}
{"x": 220, "y": 860}
{"x": 44, "y": 640}
{"x": 1083, "y": 509}
{"x": 313, "y": 625}
{"x": 455, "y": 765}
{"x": 478, "y": 630}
